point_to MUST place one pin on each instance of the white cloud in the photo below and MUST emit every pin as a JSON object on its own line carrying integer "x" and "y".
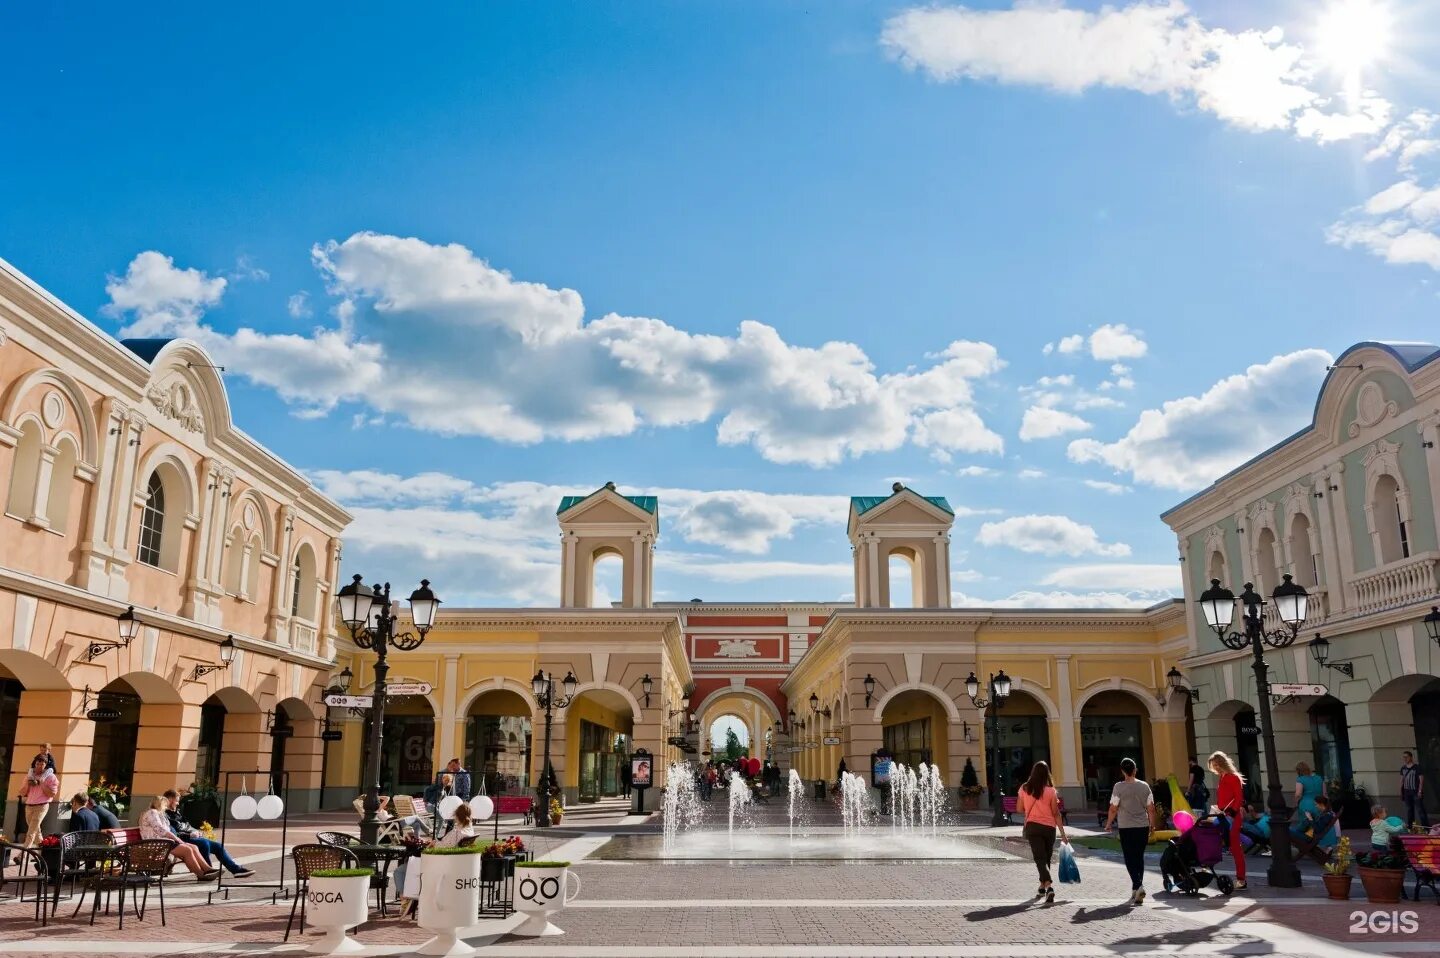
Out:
{"x": 1031, "y": 474}
{"x": 1071, "y": 344}
{"x": 1408, "y": 140}
{"x": 1061, "y": 599}
{"x": 161, "y": 299}
{"x": 1192, "y": 441}
{"x": 971, "y": 471}
{"x": 486, "y": 354}
{"x": 1142, "y": 577}
{"x": 1116, "y": 341}
{"x": 298, "y": 306}
{"x": 747, "y": 521}
{"x": 1252, "y": 79}
{"x": 1113, "y": 488}
{"x": 1098, "y": 402}
{"x": 1048, "y": 535}
{"x": 1397, "y": 224}
{"x": 1043, "y": 422}
{"x": 722, "y": 569}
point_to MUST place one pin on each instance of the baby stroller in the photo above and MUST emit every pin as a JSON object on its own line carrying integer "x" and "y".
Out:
{"x": 1188, "y": 861}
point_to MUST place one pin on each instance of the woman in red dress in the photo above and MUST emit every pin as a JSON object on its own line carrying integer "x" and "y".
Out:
{"x": 1230, "y": 799}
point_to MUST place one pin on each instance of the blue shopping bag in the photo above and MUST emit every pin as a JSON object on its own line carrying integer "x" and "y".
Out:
{"x": 1069, "y": 871}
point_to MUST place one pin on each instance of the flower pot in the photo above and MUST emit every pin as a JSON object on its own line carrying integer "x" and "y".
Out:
{"x": 1382, "y": 885}
{"x": 1338, "y": 886}
{"x": 497, "y": 869}
{"x": 449, "y": 901}
{"x": 969, "y": 803}
{"x": 337, "y": 905}
{"x": 541, "y": 891}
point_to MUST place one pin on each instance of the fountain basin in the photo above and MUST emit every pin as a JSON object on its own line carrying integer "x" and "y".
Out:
{"x": 879, "y": 844}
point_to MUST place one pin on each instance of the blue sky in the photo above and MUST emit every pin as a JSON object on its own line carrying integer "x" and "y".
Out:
{"x": 464, "y": 258}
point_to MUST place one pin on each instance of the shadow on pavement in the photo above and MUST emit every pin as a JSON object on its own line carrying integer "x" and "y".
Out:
{"x": 999, "y": 911}
{"x": 1101, "y": 914}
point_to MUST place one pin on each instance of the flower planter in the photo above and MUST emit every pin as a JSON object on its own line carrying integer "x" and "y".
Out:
{"x": 497, "y": 869}
{"x": 1382, "y": 885}
{"x": 969, "y": 803}
{"x": 449, "y": 900}
{"x": 1338, "y": 886}
{"x": 542, "y": 890}
{"x": 337, "y": 905}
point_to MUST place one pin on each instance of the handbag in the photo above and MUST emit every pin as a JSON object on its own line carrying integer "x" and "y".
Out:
{"x": 1069, "y": 870}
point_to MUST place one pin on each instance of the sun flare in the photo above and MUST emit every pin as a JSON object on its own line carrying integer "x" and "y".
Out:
{"x": 1353, "y": 34}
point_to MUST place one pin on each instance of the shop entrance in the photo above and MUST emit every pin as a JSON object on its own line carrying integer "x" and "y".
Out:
{"x": 1113, "y": 726}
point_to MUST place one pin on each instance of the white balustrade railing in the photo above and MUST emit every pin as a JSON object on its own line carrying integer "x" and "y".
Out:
{"x": 1398, "y": 583}
{"x": 302, "y": 636}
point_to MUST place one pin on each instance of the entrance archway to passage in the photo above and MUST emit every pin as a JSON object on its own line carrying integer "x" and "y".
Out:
{"x": 1235, "y": 730}
{"x": 407, "y": 746}
{"x": 1403, "y": 715}
{"x": 1026, "y": 740}
{"x": 718, "y": 735}
{"x": 915, "y": 728}
{"x": 498, "y": 746}
{"x": 30, "y": 689}
{"x": 599, "y": 728}
{"x": 229, "y": 711}
{"x": 1114, "y": 724}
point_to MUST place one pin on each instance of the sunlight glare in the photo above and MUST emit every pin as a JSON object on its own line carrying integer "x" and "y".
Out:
{"x": 1352, "y": 34}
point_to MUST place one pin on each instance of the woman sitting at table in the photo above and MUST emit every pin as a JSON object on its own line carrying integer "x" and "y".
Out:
{"x": 463, "y": 828}
{"x": 154, "y": 825}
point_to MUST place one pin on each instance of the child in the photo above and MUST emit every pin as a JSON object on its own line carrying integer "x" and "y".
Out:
{"x": 1381, "y": 830}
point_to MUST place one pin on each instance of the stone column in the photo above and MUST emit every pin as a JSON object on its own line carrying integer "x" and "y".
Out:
{"x": 1066, "y": 770}
{"x": 56, "y": 716}
{"x": 1345, "y": 545}
{"x": 124, "y": 497}
{"x": 1329, "y": 546}
{"x": 281, "y": 589}
{"x": 164, "y": 751}
{"x": 448, "y": 717}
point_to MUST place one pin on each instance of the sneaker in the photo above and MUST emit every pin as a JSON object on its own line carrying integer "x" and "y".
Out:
{"x": 1050, "y": 896}
{"x": 1138, "y": 897}
{"x": 210, "y": 875}
{"x": 1040, "y": 892}
{"x": 244, "y": 873}
{"x": 1241, "y": 885}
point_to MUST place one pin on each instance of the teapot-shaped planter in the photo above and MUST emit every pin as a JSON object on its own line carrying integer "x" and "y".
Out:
{"x": 335, "y": 900}
{"x": 449, "y": 898}
{"x": 541, "y": 890}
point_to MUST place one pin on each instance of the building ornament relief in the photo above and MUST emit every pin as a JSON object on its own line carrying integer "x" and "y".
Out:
{"x": 176, "y": 402}
{"x": 1371, "y": 406}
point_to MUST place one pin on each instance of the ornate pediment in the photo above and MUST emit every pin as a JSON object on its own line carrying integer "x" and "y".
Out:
{"x": 176, "y": 401}
{"x": 1371, "y": 406}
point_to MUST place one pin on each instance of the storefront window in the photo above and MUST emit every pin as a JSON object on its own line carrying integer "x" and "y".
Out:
{"x": 601, "y": 752}
{"x": 1025, "y": 742}
{"x": 1330, "y": 740}
{"x": 497, "y": 749}
{"x": 909, "y": 742}
{"x": 1104, "y": 741}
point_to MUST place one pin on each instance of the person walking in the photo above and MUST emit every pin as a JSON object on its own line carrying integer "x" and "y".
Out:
{"x": 1040, "y": 807}
{"x": 40, "y": 788}
{"x": 1132, "y": 813}
{"x": 1412, "y": 791}
{"x": 625, "y": 779}
{"x": 1230, "y": 801}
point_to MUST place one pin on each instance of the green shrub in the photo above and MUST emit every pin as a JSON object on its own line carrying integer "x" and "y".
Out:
{"x": 454, "y": 850}
{"x": 343, "y": 873}
{"x": 542, "y": 864}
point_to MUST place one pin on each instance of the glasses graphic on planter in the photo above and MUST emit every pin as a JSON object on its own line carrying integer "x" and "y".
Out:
{"x": 541, "y": 890}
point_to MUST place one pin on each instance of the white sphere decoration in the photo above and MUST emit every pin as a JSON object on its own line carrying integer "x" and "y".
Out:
{"x": 270, "y": 807}
{"x": 482, "y": 807}
{"x": 448, "y": 804}
{"x": 243, "y": 808}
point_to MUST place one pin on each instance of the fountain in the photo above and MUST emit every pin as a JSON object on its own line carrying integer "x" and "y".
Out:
{"x": 681, "y": 807}
{"x": 740, "y": 800}
{"x": 797, "y": 795}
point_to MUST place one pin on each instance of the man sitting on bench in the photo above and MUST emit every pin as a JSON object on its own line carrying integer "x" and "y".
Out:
{"x": 187, "y": 834}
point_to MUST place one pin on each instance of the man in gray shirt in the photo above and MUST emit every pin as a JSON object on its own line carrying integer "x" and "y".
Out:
{"x": 1132, "y": 809}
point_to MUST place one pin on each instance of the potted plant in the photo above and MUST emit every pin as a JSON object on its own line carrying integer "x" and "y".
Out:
{"x": 109, "y": 795}
{"x": 1337, "y": 877}
{"x": 1383, "y": 875}
{"x": 201, "y": 803}
{"x": 1350, "y": 801}
{"x": 541, "y": 890}
{"x": 450, "y": 897}
{"x": 335, "y": 901}
{"x": 970, "y": 790}
{"x": 557, "y": 811}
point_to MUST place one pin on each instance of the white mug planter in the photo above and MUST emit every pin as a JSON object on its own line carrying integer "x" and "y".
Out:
{"x": 337, "y": 905}
{"x": 541, "y": 890}
{"x": 449, "y": 899}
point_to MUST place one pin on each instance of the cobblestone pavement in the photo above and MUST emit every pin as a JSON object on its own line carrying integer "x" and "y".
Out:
{"x": 638, "y": 909}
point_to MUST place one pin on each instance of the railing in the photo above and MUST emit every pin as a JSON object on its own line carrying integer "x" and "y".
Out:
{"x": 1318, "y": 607}
{"x": 302, "y": 636}
{"x": 1398, "y": 583}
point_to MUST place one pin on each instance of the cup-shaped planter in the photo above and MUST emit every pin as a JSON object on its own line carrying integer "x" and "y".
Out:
{"x": 541, "y": 890}
{"x": 449, "y": 898}
{"x": 336, "y": 901}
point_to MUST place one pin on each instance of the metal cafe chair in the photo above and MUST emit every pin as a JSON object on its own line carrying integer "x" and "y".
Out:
{"x": 308, "y": 859}
{"x": 28, "y": 869}
{"x": 135, "y": 869}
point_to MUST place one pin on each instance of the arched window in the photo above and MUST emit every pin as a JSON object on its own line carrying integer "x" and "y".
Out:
{"x": 302, "y": 590}
{"x": 295, "y": 589}
{"x": 1390, "y": 525}
{"x": 62, "y": 484}
{"x": 902, "y": 569}
{"x": 25, "y": 471}
{"x": 1265, "y": 557}
{"x": 152, "y": 522}
{"x": 1216, "y": 569}
{"x": 607, "y": 578}
{"x": 232, "y": 561}
{"x": 1303, "y": 555}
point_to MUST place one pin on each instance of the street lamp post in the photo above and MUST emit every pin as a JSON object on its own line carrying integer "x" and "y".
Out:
{"x": 1290, "y": 600}
{"x": 999, "y": 691}
{"x": 367, "y": 613}
{"x": 543, "y": 686}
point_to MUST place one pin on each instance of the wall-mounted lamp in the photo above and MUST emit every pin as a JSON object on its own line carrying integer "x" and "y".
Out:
{"x": 1175, "y": 682}
{"x": 1320, "y": 652}
{"x": 227, "y": 655}
{"x": 869, "y": 688}
{"x": 646, "y": 686}
{"x": 128, "y": 627}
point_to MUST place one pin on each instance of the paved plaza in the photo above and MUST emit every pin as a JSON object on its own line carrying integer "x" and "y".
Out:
{"x": 635, "y": 901}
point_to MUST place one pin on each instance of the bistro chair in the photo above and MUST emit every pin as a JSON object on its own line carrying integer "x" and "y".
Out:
{"x": 380, "y": 880}
{"x": 132, "y": 868}
{"x": 81, "y": 855}
{"x": 27, "y": 869}
{"x": 308, "y": 859}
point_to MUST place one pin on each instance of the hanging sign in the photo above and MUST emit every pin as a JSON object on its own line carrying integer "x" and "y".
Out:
{"x": 1248, "y": 731}
{"x": 350, "y": 701}
{"x": 103, "y": 714}
{"x": 1297, "y": 688}
{"x": 831, "y": 740}
{"x": 331, "y": 735}
{"x": 810, "y": 745}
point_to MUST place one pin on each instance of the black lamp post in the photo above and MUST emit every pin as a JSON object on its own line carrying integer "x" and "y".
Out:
{"x": 367, "y": 613}
{"x": 999, "y": 691}
{"x": 1290, "y": 600}
{"x": 543, "y": 686}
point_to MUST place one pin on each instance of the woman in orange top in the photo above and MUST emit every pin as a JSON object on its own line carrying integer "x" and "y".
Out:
{"x": 1040, "y": 806}
{"x": 1230, "y": 799}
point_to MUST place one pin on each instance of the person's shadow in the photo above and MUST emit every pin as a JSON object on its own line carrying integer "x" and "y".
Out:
{"x": 999, "y": 911}
{"x": 1085, "y": 915}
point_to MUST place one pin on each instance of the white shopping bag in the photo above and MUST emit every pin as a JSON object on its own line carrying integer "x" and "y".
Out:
{"x": 412, "y": 878}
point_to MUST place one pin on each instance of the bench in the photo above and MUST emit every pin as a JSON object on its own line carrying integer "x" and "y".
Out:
{"x": 515, "y": 805}
{"x": 122, "y": 836}
{"x": 1008, "y": 805}
{"x": 1423, "y": 851}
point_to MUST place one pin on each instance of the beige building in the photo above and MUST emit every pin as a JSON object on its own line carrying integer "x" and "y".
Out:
{"x": 126, "y": 485}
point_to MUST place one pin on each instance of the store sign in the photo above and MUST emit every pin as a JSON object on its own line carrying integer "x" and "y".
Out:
{"x": 1248, "y": 731}
{"x": 331, "y": 735}
{"x": 831, "y": 740}
{"x": 350, "y": 701}
{"x": 1118, "y": 732}
{"x": 810, "y": 745}
{"x": 103, "y": 714}
{"x": 408, "y": 688}
{"x": 1297, "y": 688}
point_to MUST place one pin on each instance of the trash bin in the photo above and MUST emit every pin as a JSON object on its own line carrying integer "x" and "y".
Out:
{"x": 819, "y": 790}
